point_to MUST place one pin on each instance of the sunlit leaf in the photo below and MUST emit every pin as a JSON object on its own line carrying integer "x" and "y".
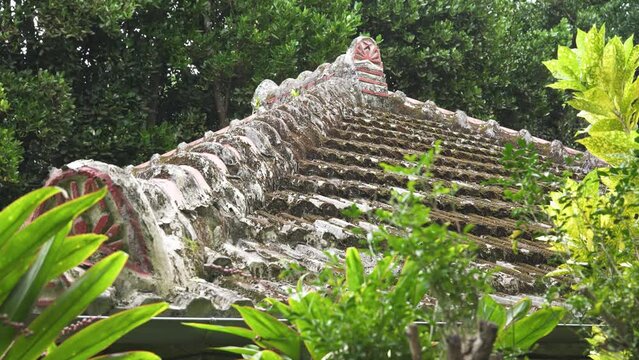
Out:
{"x": 16, "y": 213}
{"x": 233, "y": 330}
{"x": 237, "y": 350}
{"x": 354, "y": 269}
{"x": 491, "y": 311}
{"x": 272, "y": 332}
{"x": 526, "y": 332}
{"x": 517, "y": 311}
{"x": 131, "y": 355}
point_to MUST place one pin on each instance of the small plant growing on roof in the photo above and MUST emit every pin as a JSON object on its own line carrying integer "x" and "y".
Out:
{"x": 527, "y": 186}
{"x": 424, "y": 271}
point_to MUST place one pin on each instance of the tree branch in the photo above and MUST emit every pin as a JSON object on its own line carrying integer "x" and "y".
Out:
{"x": 413, "y": 341}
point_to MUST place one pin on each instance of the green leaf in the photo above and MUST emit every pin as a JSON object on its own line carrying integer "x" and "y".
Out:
{"x": 580, "y": 39}
{"x": 595, "y": 101}
{"x": 312, "y": 306}
{"x": 279, "y": 306}
{"x": 612, "y": 146}
{"x": 488, "y": 309}
{"x": 267, "y": 355}
{"x": 568, "y": 65}
{"x": 352, "y": 212}
{"x": 67, "y": 307}
{"x": 24, "y": 295}
{"x": 233, "y": 330}
{"x": 272, "y": 332}
{"x": 76, "y": 249}
{"x": 28, "y": 240}
{"x": 524, "y": 333}
{"x": 131, "y": 355}
{"x": 14, "y": 215}
{"x": 19, "y": 303}
{"x": 237, "y": 350}
{"x": 606, "y": 124}
{"x": 11, "y": 278}
{"x": 354, "y": 269}
{"x": 408, "y": 286}
{"x": 560, "y": 271}
{"x": 567, "y": 85}
{"x": 517, "y": 311}
{"x": 613, "y": 63}
{"x": 100, "y": 335}
{"x": 630, "y": 96}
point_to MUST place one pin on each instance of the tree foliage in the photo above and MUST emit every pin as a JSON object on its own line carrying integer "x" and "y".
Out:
{"x": 596, "y": 219}
{"x": 10, "y": 149}
{"x": 117, "y": 80}
{"x": 138, "y": 76}
{"x": 483, "y": 57}
{"x": 602, "y": 79}
{"x": 39, "y": 116}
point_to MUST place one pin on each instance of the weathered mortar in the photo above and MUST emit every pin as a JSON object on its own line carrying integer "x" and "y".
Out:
{"x": 202, "y": 192}
{"x": 212, "y": 222}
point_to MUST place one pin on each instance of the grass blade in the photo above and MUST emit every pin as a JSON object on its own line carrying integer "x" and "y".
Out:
{"x": 354, "y": 269}
{"x": 48, "y": 325}
{"x": 16, "y": 213}
{"x": 76, "y": 249}
{"x": 131, "y": 355}
{"x": 272, "y": 332}
{"x": 22, "y": 298}
{"x": 28, "y": 240}
{"x": 233, "y": 330}
{"x": 489, "y": 310}
{"x": 237, "y": 350}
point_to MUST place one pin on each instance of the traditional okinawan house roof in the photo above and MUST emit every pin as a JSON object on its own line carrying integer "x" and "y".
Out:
{"x": 212, "y": 223}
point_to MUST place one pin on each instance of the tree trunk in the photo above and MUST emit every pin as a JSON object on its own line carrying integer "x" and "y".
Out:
{"x": 28, "y": 30}
{"x": 221, "y": 97}
{"x": 413, "y": 341}
{"x": 221, "y": 89}
{"x": 153, "y": 102}
{"x": 479, "y": 347}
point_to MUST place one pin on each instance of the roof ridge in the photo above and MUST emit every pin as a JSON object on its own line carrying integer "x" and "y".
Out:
{"x": 361, "y": 65}
{"x": 554, "y": 147}
{"x": 172, "y": 212}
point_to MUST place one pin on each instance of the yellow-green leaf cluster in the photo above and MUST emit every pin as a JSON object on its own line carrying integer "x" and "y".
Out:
{"x": 601, "y": 77}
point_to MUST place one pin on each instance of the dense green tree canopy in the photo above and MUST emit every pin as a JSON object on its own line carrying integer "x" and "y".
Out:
{"x": 118, "y": 80}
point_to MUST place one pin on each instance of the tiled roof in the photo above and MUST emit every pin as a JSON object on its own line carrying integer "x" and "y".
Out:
{"x": 213, "y": 222}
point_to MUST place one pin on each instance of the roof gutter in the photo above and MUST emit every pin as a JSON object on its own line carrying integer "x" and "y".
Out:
{"x": 167, "y": 337}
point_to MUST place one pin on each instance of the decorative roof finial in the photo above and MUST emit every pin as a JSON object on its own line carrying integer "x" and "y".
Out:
{"x": 429, "y": 108}
{"x": 525, "y": 134}
{"x": 491, "y": 128}
{"x": 557, "y": 150}
{"x": 365, "y": 56}
{"x": 181, "y": 148}
{"x": 462, "y": 119}
{"x": 155, "y": 160}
